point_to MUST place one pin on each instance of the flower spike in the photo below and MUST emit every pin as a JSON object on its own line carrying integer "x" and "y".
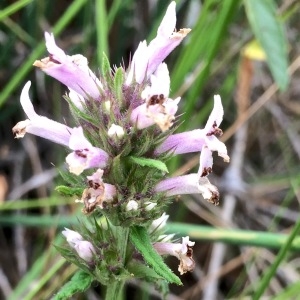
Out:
{"x": 119, "y": 145}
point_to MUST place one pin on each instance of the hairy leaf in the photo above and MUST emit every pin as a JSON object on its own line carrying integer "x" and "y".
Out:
{"x": 149, "y": 162}
{"x": 140, "y": 238}
{"x": 79, "y": 283}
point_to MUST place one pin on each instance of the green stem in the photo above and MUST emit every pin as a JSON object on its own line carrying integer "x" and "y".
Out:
{"x": 270, "y": 272}
{"x": 115, "y": 290}
{"x": 235, "y": 236}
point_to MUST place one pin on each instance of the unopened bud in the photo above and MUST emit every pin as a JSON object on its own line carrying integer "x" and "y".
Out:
{"x": 149, "y": 205}
{"x": 85, "y": 250}
{"x": 115, "y": 131}
{"x": 132, "y": 205}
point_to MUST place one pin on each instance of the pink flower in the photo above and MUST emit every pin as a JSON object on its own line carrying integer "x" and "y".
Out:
{"x": 204, "y": 140}
{"x": 97, "y": 193}
{"x": 38, "y": 125}
{"x": 84, "y": 156}
{"x": 183, "y": 251}
{"x": 85, "y": 250}
{"x": 158, "y": 108}
{"x": 189, "y": 184}
{"x": 146, "y": 59}
{"x": 72, "y": 71}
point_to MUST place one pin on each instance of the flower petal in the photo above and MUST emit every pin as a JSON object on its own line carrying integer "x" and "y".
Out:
{"x": 216, "y": 116}
{"x": 97, "y": 193}
{"x": 159, "y": 224}
{"x": 185, "y": 142}
{"x": 147, "y": 59}
{"x": 206, "y": 162}
{"x": 160, "y": 83}
{"x": 85, "y": 250}
{"x": 77, "y": 99}
{"x": 213, "y": 144}
{"x": 72, "y": 71}
{"x": 84, "y": 156}
{"x": 189, "y": 184}
{"x": 138, "y": 64}
{"x": 73, "y": 237}
{"x": 166, "y": 40}
{"x": 182, "y": 251}
{"x": 39, "y": 125}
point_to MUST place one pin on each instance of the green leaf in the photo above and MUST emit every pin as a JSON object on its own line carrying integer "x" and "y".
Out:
{"x": 139, "y": 270}
{"x": 79, "y": 113}
{"x": 140, "y": 238}
{"x": 149, "y": 162}
{"x": 79, "y": 283}
{"x": 68, "y": 191}
{"x": 118, "y": 83}
{"x": 106, "y": 70}
{"x": 17, "y": 5}
{"x": 270, "y": 34}
{"x": 73, "y": 9}
{"x": 118, "y": 170}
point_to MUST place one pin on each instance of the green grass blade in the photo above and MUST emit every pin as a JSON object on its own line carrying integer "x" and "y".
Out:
{"x": 34, "y": 274}
{"x": 291, "y": 292}
{"x": 44, "y": 279}
{"x": 35, "y": 203}
{"x": 101, "y": 30}
{"x": 234, "y": 236}
{"x": 46, "y": 221}
{"x": 269, "y": 32}
{"x": 9, "y": 10}
{"x": 204, "y": 43}
{"x": 270, "y": 272}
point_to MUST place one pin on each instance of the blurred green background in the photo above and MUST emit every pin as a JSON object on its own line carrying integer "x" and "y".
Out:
{"x": 246, "y": 51}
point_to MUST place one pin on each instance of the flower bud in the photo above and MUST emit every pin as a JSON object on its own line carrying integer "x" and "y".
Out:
{"x": 149, "y": 205}
{"x": 159, "y": 223}
{"x": 72, "y": 237}
{"x": 85, "y": 250}
{"x": 115, "y": 131}
{"x": 132, "y": 205}
{"x": 107, "y": 105}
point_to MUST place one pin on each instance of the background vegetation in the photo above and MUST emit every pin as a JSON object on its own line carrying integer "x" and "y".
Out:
{"x": 246, "y": 51}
